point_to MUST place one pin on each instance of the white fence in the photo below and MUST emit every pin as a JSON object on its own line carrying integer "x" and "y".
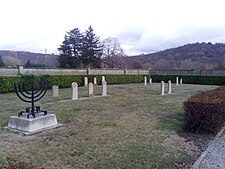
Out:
{"x": 21, "y": 70}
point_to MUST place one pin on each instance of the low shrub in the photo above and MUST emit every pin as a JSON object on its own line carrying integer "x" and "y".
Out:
{"x": 205, "y": 111}
{"x": 206, "y": 117}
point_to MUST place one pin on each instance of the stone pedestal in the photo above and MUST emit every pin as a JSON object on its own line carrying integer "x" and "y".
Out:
{"x": 20, "y": 69}
{"x": 88, "y": 71}
{"x": 32, "y": 125}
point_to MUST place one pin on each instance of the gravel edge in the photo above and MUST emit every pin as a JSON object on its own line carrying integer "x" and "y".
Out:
{"x": 197, "y": 163}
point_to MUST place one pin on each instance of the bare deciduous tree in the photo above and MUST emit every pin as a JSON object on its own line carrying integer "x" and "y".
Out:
{"x": 111, "y": 50}
{"x": 12, "y": 61}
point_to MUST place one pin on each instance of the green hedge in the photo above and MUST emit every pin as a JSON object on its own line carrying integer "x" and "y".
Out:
{"x": 6, "y": 82}
{"x": 63, "y": 81}
{"x": 191, "y": 79}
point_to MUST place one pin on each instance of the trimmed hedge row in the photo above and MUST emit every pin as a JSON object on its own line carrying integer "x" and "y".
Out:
{"x": 206, "y": 117}
{"x": 205, "y": 111}
{"x": 191, "y": 79}
{"x": 63, "y": 81}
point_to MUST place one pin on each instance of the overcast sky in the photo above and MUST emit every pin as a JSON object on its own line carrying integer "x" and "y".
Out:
{"x": 142, "y": 26}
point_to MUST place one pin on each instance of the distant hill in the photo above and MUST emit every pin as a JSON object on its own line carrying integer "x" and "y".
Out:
{"x": 190, "y": 56}
{"x": 21, "y": 57}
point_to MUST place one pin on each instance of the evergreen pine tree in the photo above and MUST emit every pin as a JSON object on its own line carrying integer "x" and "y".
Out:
{"x": 70, "y": 50}
{"x": 28, "y": 64}
{"x": 92, "y": 49}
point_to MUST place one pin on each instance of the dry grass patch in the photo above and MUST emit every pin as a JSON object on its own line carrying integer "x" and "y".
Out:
{"x": 133, "y": 127}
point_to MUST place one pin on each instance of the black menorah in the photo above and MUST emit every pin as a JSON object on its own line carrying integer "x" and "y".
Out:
{"x": 31, "y": 96}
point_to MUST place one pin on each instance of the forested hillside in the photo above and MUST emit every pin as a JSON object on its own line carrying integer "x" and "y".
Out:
{"x": 190, "y": 56}
{"x": 13, "y": 58}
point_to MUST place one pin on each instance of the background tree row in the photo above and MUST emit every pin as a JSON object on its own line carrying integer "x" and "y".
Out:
{"x": 80, "y": 49}
{"x": 85, "y": 49}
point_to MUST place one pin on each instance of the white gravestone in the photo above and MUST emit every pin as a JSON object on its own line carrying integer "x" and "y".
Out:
{"x": 95, "y": 81}
{"x": 177, "y": 81}
{"x": 162, "y": 88}
{"x": 55, "y": 91}
{"x": 74, "y": 91}
{"x": 90, "y": 89}
{"x": 181, "y": 81}
{"x": 169, "y": 87}
{"x": 104, "y": 88}
{"x": 85, "y": 81}
{"x": 103, "y": 79}
{"x": 150, "y": 80}
{"x": 145, "y": 81}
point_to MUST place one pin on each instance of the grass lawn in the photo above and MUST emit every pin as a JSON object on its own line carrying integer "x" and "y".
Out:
{"x": 133, "y": 127}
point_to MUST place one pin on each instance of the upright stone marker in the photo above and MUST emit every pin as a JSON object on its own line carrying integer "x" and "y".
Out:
{"x": 162, "y": 88}
{"x": 85, "y": 81}
{"x": 90, "y": 89}
{"x": 55, "y": 91}
{"x": 103, "y": 79}
{"x": 177, "y": 81}
{"x": 169, "y": 87}
{"x": 145, "y": 80}
{"x": 150, "y": 80}
{"x": 181, "y": 81}
{"x": 74, "y": 91}
{"x": 104, "y": 88}
{"x": 95, "y": 81}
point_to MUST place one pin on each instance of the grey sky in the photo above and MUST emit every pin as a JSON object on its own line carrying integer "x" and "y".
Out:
{"x": 142, "y": 26}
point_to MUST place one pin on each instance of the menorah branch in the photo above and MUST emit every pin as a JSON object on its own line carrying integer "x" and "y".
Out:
{"x": 31, "y": 97}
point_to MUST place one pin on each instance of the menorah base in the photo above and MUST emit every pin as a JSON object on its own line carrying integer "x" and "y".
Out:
{"x": 32, "y": 111}
{"x": 33, "y": 125}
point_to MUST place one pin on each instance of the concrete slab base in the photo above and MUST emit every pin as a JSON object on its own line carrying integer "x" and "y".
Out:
{"x": 32, "y": 125}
